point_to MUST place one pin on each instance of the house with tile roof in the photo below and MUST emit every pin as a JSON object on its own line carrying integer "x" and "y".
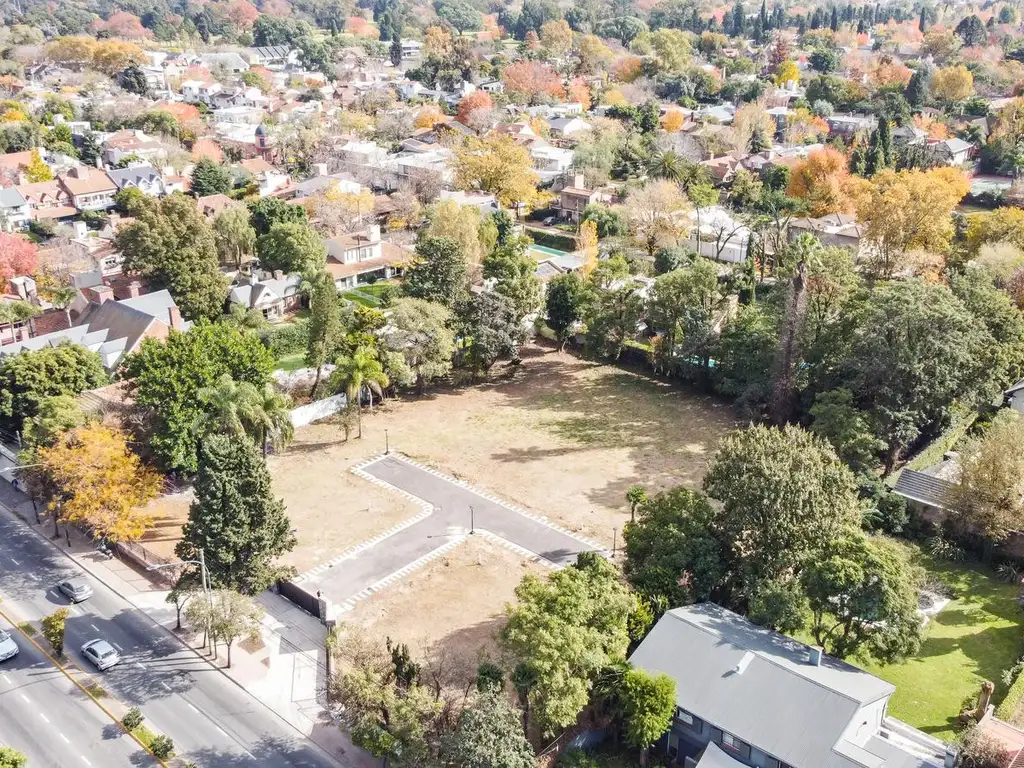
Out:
{"x": 363, "y": 257}
{"x": 90, "y": 189}
{"x": 48, "y": 200}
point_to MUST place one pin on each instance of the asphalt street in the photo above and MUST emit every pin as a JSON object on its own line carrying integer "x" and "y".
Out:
{"x": 47, "y": 718}
{"x": 213, "y": 722}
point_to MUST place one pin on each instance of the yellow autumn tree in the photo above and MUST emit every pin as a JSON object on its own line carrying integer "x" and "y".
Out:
{"x": 672, "y": 121}
{"x": 821, "y": 181}
{"x": 429, "y": 116}
{"x": 37, "y": 170}
{"x": 953, "y": 83}
{"x": 587, "y": 242}
{"x": 788, "y": 71}
{"x": 111, "y": 56}
{"x": 908, "y": 210}
{"x": 498, "y": 165}
{"x": 72, "y": 49}
{"x": 613, "y": 98}
{"x": 99, "y": 483}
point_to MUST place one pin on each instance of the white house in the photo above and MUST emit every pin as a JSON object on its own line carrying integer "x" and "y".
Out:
{"x": 145, "y": 178}
{"x": 269, "y": 178}
{"x": 567, "y": 127}
{"x": 718, "y": 236}
{"x": 361, "y": 257}
{"x": 411, "y": 49}
{"x": 15, "y": 212}
{"x": 550, "y": 161}
{"x": 239, "y": 115}
{"x": 200, "y": 90}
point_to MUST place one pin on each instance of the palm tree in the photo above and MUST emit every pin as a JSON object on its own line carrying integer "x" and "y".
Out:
{"x": 14, "y": 312}
{"x": 230, "y": 406}
{"x": 666, "y": 165}
{"x": 362, "y": 370}
{"x": 271, "y": 418}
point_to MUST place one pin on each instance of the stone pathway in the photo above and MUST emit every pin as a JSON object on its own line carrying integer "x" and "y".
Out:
{"x": 451, "y": 510}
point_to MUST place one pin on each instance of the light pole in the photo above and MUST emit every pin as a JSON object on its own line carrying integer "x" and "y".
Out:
{"x": 472, "y": 521}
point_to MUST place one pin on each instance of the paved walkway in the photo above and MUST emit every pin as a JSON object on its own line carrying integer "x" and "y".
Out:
{"x": 451, "y": 510}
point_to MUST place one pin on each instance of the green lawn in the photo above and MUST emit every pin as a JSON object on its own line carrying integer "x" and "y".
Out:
{"x": 291, "y": 362}
{"x": 377, "y": 289}
{"x": 972, "y": 639}
{"x": 359, "y": 298}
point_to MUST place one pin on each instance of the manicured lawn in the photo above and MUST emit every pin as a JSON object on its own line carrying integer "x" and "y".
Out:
{"x": 972, "y": 639}
{"x": 377, "y": 289}
{"x": 358, "y": 298}
{"x": 291, "y": 362}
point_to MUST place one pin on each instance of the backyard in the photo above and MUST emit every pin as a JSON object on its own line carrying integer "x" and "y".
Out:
{"x": 972, "y": 639}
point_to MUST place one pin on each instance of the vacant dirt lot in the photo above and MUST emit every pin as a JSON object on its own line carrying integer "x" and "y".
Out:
{"x": 558, "y": 436}
{"x": 462, "y": 595}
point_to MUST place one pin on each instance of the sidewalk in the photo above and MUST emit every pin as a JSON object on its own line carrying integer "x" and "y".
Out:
{"x": 285, "y": 671}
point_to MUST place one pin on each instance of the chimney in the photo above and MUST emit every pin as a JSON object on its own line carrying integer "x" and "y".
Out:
{"x": 174, "y": 317}
{"x": 375, "y": 233}
{"x": 579, "y": 181}
{"x": 80, "y": 229}
{"x": 101, "y": 294}
{"x": 134, "y": 289}
{"x": 950, "y": 758}
{"x": 814, "y": 656}
{"x": 279, "y": 274}
{"x": 320, "y": 169}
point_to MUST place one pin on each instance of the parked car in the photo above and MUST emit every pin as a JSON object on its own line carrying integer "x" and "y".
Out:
{"x": 550, "y": 221}
{"x": 101, "y": 654}
{"x": 8, "y": 648}
{"x": 75, "y": 590}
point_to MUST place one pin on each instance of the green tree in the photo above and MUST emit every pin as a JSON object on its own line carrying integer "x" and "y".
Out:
{"x": 863, "y": 597}
{"x": 838, "y": 420}
{"x": 489, "y": 734}
{"x": 609, "y": 222}
{"x": 784, "y": 492}
{"x": 167, "y": 377}
{"x": 234, "y": 236}
{"x": 325, "y": 326}
{"x": 971, "y": 31}
{"x": 33, "y": 376}
{"x": 210, "y": 178}
{"x": 565, "y": 304}
{"x": 171, "y": 244}
{"x": 11, "y": 758}
{"x": 292, "y": 248}
{"x": 268, "y": 211}
{"x": 439, "y": 273}
{"x": 649, "y": 704}
{"x": 133, "y": 80}
{"x": 419, "y": 341}
{"x": 240, "y": 409}
{"x": 612, "y": 319}
{"x": 55, "y": 415}
{"x": 564, "y": 630}
{"x": 671, "y": 552}
{"x": 241, "y": 528}
{"x": 228, "y": 615}
{"x": 361, "y": 371}
{"x": 494, "y": 328}
{"x": 514, "y": 272}
{"x": 988, "y": 495}
{"x": 681, "y": 296}
{"x": 52, "y": 627}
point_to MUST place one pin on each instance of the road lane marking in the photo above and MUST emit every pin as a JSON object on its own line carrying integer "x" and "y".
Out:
{"x": 137, "y": 664}
{"x": 85, "y": 760}
{"x": 44, "y": 718}
{"x": 166, "y": 686}
{"x": 117, "y": 646}
{"x": 32, "y": 576}
{"x": 192, "y": 708}
{"x": 97, "y": 629}
{"x": 66, "y": 739}
{"x": 7, "y": 680}
{"x": 24, "y": 698}
{"x": 15, "y": 561}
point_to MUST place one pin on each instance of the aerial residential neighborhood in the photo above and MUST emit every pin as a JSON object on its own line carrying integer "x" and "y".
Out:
{"x": 511, "y": 384}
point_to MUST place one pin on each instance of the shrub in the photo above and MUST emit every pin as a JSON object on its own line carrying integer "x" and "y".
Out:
{"x": 1008, "y": 573}
{"x": 981, "y": 750}
{"x": 162, "y": 747}
{"x": 286, "y": 338}
{"x": 132, "y": 719}
{"x": 943, "y": 549}
{"x": 577, "y": 758}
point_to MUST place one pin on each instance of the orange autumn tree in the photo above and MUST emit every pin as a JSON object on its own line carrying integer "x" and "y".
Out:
{"x": 672, "y": 121}
{"x": 531, "y": 81}
{"x": 475, "y": 100}
{"x": 821, "y": 181}
{"x": 579, "y": 92}
{"x": 628, "y": 69}
{"x": 429, "y": 116}
{"x": 97, "y": 482}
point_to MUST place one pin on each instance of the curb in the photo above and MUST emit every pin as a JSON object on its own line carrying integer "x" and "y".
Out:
{"x": 80, "y": 687}
{"x": 177, "y": 639}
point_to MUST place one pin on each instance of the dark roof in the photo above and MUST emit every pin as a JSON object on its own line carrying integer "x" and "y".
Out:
{"x": 119, "y": 320}
{"x": 933, "y": 491}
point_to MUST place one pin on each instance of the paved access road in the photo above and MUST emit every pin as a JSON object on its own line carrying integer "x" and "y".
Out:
{"x": 348, "y": 579}
{"x": 213, "y": 722}
{"x": 47, "y": 718}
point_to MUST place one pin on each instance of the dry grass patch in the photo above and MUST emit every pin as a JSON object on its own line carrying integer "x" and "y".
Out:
{"x": 455, "y": 603}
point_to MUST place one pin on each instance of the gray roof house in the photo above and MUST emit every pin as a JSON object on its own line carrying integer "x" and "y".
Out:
{"x": 273, "y": 296}
{"x": 113, "y": 328}
{"x": 748, "y": 696}
{"x": 145, "y": 178}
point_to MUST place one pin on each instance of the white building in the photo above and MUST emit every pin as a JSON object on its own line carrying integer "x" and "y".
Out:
{"x": 719, "y": 236}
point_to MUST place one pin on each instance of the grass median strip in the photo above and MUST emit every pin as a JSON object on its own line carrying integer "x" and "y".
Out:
{"x": 28, "y": 631}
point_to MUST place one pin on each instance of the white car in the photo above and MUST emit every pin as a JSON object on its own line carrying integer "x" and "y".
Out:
{"x": 8, "y": 648}
{"x": 101, "y": 653}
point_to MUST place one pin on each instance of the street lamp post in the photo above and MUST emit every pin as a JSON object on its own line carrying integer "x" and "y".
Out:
{"x": 203, "y": 576}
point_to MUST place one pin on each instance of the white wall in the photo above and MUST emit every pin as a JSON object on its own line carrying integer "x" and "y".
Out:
{"x": 318, "y": 409}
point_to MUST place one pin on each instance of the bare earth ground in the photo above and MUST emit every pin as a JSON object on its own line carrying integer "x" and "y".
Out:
{"x": 462, "y": 596}
{"x": 559, "y": 436}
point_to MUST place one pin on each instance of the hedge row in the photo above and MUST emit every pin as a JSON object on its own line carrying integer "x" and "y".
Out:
{"x": 1012, "y": 701}
{"x": 551, "y": 240}
{"x": 286, "y": 338}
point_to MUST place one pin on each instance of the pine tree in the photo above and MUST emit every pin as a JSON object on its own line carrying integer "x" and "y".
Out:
{"x": 834, "y": 21}
{"x": 859, "y": 161}
{"x": 763, "y": 16}
{"x": 884, "y": 139}
{"x": 739, "y": 19}
{"x": 816, "y": 19}
{"x": 802, "y": 26}
{"x": 917, "y": 89}
{"x": 396, "y": 48}
{"x": 696, "y": 23}
{"x": 860, "y": 27}
{"x": 922, "y": 22}
{"x": 235, "y": 519}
